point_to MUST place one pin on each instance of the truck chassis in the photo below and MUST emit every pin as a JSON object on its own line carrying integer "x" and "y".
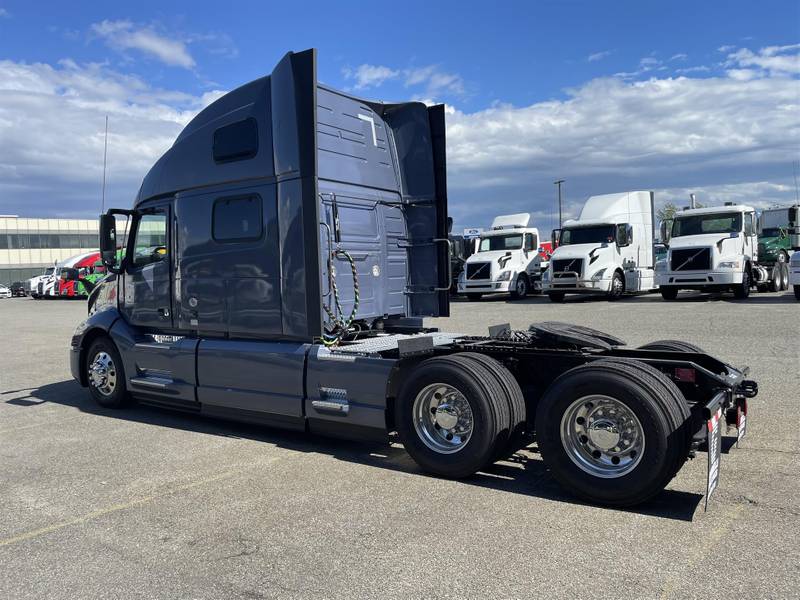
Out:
{"x": 614, "y": 424}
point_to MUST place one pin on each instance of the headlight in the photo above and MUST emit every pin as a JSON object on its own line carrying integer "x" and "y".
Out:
{"x": 730, "y": 264}
{"x": 598, "y": 275}
{"x": 504, "y": 276}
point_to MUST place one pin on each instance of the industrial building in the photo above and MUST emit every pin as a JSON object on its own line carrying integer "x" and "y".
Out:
{"x": 29, "y": 245}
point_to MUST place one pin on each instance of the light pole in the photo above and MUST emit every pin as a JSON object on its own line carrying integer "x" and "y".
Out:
{"x": 558, "y": 183}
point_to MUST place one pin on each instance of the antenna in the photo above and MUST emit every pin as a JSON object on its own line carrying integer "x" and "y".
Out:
{"x": 558, "y": 183}
{"x": 105, "y": 156}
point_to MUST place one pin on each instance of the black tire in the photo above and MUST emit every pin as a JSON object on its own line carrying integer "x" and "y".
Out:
{"x": 797, "y": 292}
{"x": 784, "y": 276}
{"x": 474, "y": 297}
{"x": 668, "y": 293}
{"x": 516, "y": 437}
{"x": 119, "y": 396}
{"x": 617, "y": 286}
{"x": 556, "y": 296}
{"x": 775, "y": 284}
{"x": 650, "y": 396}
{"x": 486, "y": 399}
{"x": 521, "y": 286}
{"x": 742, "y": 291}
{"x": 672, "y": 346}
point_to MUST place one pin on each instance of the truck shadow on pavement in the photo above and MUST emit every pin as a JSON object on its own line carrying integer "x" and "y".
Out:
{"x": 524, "y": 473}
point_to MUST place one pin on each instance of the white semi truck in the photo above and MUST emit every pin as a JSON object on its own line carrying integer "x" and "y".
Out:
{"x": 509, "y": 258}
{"x": 794, "y": 241}
{"x": 608, "y": 250}
{"x": 715, "y": 249}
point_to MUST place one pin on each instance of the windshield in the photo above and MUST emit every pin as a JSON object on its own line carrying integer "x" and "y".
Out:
{"x": 598, "y": 234}
{"x": 771, "y": 232}
{"x": 711, "y": 223}
{"x": 773, "y": 219}
{"x": 501, "y": 242}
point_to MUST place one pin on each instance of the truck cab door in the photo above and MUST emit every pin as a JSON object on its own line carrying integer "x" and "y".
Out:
{"x": 750, "y": 242}
{"x": 147, "y": 298}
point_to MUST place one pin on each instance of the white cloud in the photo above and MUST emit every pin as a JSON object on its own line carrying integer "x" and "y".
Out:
{"x": 775, "y": 60}
{"x": 125, "y": 35}
{"x": 612, "y": 135}
{"x": 431, "y": 79}
{"x": 723, "y": 138}
{"x": 679, "y": 56}
{"x": 4, "y": 14}
{"x": 599, "y": 55}
{"x": 367, "y": 76}
{"x": 51, "y": 124}
{"x": 434, "y": 80}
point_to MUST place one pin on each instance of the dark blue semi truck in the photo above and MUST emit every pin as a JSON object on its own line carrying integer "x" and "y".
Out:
{"x": 278, "y": 262}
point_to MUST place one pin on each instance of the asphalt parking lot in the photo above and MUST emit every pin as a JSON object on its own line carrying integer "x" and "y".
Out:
{"x": 143, "y": 503}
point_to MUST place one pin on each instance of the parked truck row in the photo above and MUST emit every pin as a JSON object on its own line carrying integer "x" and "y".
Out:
{"x": 281, "y": 257}
{"x": 611, "y": 250}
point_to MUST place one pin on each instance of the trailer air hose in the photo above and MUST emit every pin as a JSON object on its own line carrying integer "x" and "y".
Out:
{"x": 340, "y": 326}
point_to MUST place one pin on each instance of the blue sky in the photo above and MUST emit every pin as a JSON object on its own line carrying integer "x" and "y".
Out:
{"x": 672, "y": 96}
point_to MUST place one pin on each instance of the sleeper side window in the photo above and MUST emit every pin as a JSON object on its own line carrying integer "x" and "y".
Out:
{"x": 237, "y": 141}
{"x": 150, "y": 244}
{"x": 237, "y": 219}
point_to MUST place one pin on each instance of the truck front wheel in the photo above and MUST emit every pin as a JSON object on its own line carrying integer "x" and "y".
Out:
{"x": 668, "y": 293}
{"x": 520, "y": 287}
{"x": 105, "y": 374}
{"x": 617, "y": 286}
{"x": 613, "y": 432}
{"x": 742, "y": 290}
{"x": 453, "y": 416}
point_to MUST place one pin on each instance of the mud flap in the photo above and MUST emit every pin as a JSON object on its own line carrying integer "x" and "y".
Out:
{"x": 741, "y": 419}
{"x": 714, "y": 442}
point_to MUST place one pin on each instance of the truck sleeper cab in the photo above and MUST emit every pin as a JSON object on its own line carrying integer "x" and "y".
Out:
{"x": 608, "y": 250}
{"x": 280, "y": 258}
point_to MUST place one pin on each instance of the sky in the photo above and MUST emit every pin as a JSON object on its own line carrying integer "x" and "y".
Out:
{"x": 675, "y": 97}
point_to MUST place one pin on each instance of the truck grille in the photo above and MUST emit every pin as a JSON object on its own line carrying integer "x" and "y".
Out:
{"x": 479, "y": 270}
{"x": 691, "y": 259}
{"x": 567, "y": 265}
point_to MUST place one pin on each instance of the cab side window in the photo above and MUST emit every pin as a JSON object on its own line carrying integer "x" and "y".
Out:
{"x": 531, "y": 243}
{"x": 150, "y": 245}
{"x": 748, "y": 224}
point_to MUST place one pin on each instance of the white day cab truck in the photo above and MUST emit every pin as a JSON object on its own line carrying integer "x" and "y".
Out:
{"x": 608, "y": 250}
{"x": 508, "y": 259}
{"x": 715, "y": 249}
{"x": 281, "y": 258}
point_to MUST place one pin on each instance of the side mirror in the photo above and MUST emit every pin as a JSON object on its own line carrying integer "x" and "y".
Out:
{"x": 555, "y": 237}
{"x": 665, "y": 231}
{"x": 623, "y": 235}
{"x": 108, "y": 240}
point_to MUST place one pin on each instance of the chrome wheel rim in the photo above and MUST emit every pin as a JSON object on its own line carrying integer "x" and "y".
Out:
{"x": 521, "y": 286}
{"x": 103, "y": 374}
{"x": 616, "y": 285}
{"x": 443, "y": 418}
{"x": 602, "y": 436}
